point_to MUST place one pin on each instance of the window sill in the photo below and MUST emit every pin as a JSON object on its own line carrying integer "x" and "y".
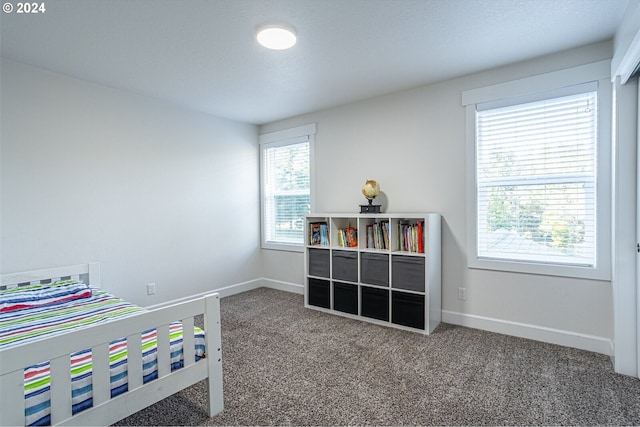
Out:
{"x": 573, "y": 271}
{"x": 283, "y": 247}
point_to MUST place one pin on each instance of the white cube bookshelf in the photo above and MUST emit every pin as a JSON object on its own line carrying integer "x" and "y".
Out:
{"x": 392, "y": 276}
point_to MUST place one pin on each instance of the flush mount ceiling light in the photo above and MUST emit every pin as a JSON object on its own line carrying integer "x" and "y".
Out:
{"x": 276, "y": 37}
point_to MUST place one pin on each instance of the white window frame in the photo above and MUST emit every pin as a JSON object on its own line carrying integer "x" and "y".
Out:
{"x": 275, "y": 139}
{"x": 533, "y": 87}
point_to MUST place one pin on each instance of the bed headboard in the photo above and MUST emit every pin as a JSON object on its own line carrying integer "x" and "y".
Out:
{"x": 88, "y": 273}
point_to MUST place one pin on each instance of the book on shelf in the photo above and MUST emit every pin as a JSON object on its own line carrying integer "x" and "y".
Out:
{"x": 352, "y": 236}
{"x": 385, "y": 234}
{"x": 348, "y": 237}
{"x": 378, "y": 235}
{"x": 318, "y": 234}
{"x": 411, "y": 237}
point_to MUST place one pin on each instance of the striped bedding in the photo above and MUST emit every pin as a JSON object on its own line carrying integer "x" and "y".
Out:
{"x": 34, "y": 313}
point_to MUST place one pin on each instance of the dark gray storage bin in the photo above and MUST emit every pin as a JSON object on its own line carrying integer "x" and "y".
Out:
{"x": 407, "y": 272}
{"x": 407, "y": 309}
{"x": 345, "y": 265}
{"x": 319, "y": 262}
{"x": 375, "y": 303}
{"x": 374, "y": 268}
{"x": 319, "y": 293}
{"x": 345, "y": 297}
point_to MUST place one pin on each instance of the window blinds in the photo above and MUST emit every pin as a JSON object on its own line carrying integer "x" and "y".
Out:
{"x": 286, "y": 190}
{"x": 536, "y": 180}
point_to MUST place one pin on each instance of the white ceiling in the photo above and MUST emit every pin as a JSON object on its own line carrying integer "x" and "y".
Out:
{"x": 203, "y": 54}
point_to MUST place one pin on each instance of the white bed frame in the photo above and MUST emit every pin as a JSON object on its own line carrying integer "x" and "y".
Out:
{"x": 106, "y": 410}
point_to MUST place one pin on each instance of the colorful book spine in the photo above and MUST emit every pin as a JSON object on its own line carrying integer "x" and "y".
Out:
{"x": 324, "y": 234}
{"x": 318, "y": 233}
{"x": 410, "y": 237}
{"x": 352, "y": 237}
{"x": 370, "y": 243}
{"x": 385, "y": 234}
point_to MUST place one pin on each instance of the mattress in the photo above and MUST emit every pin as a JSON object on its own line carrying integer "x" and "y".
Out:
{"x": 39, "y": 311}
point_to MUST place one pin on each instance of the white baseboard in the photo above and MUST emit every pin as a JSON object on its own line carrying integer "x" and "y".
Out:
{"x": 538, "y": 333}
{"x": 223, "y": 292}
{"x": 283, "y": 286}
{"x": 260, "y": 283}
{"x": 238, "y": 288}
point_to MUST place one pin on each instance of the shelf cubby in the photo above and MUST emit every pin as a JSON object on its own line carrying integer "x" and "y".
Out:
{"x": 343, "y": 223}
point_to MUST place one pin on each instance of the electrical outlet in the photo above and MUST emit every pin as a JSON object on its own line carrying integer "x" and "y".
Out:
{"x": 151, "y": 288}
{"x": 462, "y": 294}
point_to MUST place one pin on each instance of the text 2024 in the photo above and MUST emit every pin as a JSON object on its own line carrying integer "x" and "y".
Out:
{"x": 30, "y": 8}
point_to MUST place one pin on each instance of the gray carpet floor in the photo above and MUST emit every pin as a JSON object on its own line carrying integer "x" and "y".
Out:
{"x": 287, "y": 365}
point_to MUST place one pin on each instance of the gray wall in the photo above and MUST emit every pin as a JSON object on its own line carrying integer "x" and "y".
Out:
{"x": 155, "y": 192}
{"x": 413, "y": 143}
